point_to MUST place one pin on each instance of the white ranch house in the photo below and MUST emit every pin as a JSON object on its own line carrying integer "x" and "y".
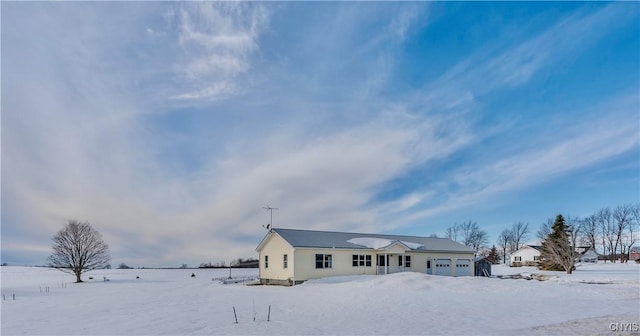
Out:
{"x": 528, "y": 255}
{"x": 289, "y": 257}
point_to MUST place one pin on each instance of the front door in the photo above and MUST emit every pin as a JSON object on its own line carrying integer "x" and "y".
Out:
{"x": 429, "y": 270}
{"x": 382, "y": 261}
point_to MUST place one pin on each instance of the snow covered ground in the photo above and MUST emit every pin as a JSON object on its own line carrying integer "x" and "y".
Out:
{"x": 592, "y": 301}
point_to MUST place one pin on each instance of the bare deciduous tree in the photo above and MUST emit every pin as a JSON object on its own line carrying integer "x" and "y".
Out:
{"x": 590, "y": 230}
{"x": 574, "y": 231}
{"x": 452, "y": 232}
{"x": 504, "y": 241}
{"x": 78, "y": 248}
{"x": 605, "y": 221}
{"x": 519, "y": 233}
{"x": 545, "y": 229}
{"x": 468, "y": 233}
{"x": 472, "y": 235}
{"x": 629, "y": 239}
{"x": 621, "y": 216}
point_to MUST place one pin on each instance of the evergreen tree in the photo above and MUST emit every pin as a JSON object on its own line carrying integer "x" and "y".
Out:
{"x": 557, "y": 253}
{"x": 493, "y": 256}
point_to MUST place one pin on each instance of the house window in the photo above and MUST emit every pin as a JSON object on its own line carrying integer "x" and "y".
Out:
{"x": 324, "y": 261}
{"x": 517, "y": 259}
{"x": 536, "y": 258}
{"x": 361, "y": 260}
{"x": 406, "y": 260}
{"x": 266, "y": 261}
{"x": 285, "y": 261}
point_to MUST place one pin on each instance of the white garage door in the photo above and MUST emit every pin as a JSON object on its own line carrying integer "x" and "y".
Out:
{"x": 442, "y": 267}
{"x": 463, "y": 267}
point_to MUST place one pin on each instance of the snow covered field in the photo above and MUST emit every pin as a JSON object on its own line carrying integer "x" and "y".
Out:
{"x": 170, "y": 302}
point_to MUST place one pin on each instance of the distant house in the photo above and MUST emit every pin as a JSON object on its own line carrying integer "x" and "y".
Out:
{"x": 289, "y": 257}
{"x": 528, "y": 255}
{"x": 586, "y": 254}
{"x": 634, "y": 254}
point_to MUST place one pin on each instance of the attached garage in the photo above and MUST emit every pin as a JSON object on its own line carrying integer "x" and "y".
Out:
{"x": 463, "y": 267}
{"x": 442, "y": 267}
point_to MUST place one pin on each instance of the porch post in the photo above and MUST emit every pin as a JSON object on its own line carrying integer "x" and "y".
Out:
{"x": 386, "y": 264}
{"x": 404, "y": 262}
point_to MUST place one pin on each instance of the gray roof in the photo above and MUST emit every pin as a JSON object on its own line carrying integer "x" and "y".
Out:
{"x": 327, "y": 239}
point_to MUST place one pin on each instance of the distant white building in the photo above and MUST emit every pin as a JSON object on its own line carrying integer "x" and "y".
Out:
{"x": 528, "y": 255}
{"x": 586, "y": 254}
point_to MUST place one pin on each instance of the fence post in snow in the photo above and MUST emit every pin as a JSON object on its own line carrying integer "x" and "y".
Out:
{"x": 269, "y": 314}
{"x": 234, "y": 314}
{"x": 14, "y": 296}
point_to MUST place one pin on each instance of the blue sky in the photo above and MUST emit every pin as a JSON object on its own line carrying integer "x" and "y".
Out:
{"x": 169, "y": 126}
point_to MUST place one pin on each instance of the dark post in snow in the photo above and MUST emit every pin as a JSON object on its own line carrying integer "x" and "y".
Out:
{"x": 234, "y": 314}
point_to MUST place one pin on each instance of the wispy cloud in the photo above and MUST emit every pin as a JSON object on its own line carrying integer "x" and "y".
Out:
{"x": 309, "y": 128}
{"x": 604, "y": 133}
{"x": 218, "y": 40}
{"x": 492, "y": 69}
{"x": 536, "y": 158}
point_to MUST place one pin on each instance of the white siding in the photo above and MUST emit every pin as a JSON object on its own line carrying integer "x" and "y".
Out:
{"x": 275, "y": 248}
{"x": 342, "y": 262}
{"x": 305, "y": 263}
{"x": 526, "y": 254}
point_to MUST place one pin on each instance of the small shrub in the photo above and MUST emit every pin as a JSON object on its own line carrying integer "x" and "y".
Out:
{"x": 123, "y": 266}
{"x": 516, "y": 264}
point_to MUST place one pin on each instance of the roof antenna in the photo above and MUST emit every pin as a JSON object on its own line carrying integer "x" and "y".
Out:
{"x": 270, "y": 225}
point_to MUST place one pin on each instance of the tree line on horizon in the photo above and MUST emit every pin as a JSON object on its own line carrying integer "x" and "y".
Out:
{"x": 611, "y": 232}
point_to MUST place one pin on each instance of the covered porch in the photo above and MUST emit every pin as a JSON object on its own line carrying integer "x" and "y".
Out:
{"x": 393, "y": 259}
